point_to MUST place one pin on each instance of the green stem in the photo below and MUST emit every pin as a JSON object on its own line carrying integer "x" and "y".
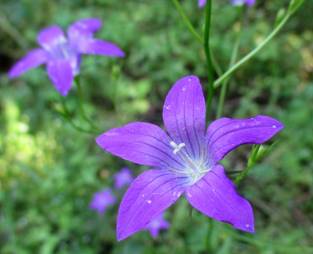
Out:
{"x": 81, "y": 105}
{"x": 221, "y": 79}
{"x": 67, "y": 115}
{"x": 206, "y": 45}
{"x": 209, "y": 235}
{"x": 233, "y": 58}
{"x": 187, "y": 21}
{"x": 251, "y": 162}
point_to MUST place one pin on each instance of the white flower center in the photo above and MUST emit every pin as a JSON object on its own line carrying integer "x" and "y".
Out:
{"x": 194, "y": 169}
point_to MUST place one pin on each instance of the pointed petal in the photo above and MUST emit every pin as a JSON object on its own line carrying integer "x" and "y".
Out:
{"x": 84, "y": 27}
{"x": 226, "y": 134}
{"x": 61, "y": 75}
{"x": 184, "y": 114}
{"x": 148, "y": 196}
{"x": 139, "y": 142}
{"x": 215, "y": 196}
{"x": 33, "y": 59}
{"x": 50, "y": 37}
{"x": 99, "y": 47}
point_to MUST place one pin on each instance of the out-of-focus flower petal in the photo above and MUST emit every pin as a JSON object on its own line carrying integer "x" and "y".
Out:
{"x": 33, "y": 59}
{"x": 51, "y": 36}
{"x": 215, "y": 196}
{"x": 184, "y": 114}
{"x": 99, "y": 47}
{"x": 102, "y": 200}
{"x": 61, "y": 75}
{"x": 84, "y": 27}
{"x": 139, "y": 142}
{"x": 123, "y": 178}
{"x": 201, "y": 3}
{"x": 226, "y": 134}
{"x": 157, "y": 224}
{"x": 147, "y": 197}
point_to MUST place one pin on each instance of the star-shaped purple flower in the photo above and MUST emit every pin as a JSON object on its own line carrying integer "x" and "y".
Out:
{"x": 202, "y": 3}
{"x": 184, "y": 160}
{"x": 157, "y": 224}
{"x": 123, "y": 178}
{"x": 102, "y": 200}
{"x": 62, "y": 54}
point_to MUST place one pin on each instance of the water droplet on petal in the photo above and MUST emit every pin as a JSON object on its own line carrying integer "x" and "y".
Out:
{"x": 184, "y": 89}
{"x": 247, "y": 226}
{"x": 149, "y": 201}
{"x": 274, "y": 126}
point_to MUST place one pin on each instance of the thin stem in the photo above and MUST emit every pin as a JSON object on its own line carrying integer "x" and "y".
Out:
{"x": 187, "y": 21}
{"x": 251, "y": 162}
{"x": 209, "y": 235}
{"x": 81, "y": 105}
{"x": 206, "y": 45}
{"x": 67, "y": 115}
{"x": 233, "y": 58}
{"x": 220, "y": 80}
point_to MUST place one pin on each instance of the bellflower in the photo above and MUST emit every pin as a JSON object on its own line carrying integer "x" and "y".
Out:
{"x": 123, "y": 178}
{"x": 102, "y": 200}
{"x": 62, "y": 54}
{"x": 157, "y": 224}
{"x": 184, "y": 160}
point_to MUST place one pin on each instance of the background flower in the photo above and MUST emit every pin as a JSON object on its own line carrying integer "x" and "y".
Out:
{"x": 158, "y": 224}
{"x": 123, "y": 178}
{"x": 102, "y": 200}
{"x": 62, "y": 54}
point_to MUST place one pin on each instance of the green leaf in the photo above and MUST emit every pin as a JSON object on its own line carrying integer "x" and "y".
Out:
{"x": 294, "y": 5}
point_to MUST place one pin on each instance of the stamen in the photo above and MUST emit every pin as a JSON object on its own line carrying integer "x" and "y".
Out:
{"x": 176, "y": 147}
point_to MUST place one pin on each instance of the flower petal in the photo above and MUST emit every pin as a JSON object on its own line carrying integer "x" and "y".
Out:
{"x": 215, "y": 196}
{"x": 139, "y": 142}
{"x": 50, "y": 37}
{"x": 148, "y": 196}
{"x": 33, "y": 59}
{"x": 201, "y": 3}
{"x": 84, "y": 27}
{"x": 226, "y": 134}
{"x": 61, "y": 75}
{"x": 184, "y": 114}
{"x": 99, "y": 47}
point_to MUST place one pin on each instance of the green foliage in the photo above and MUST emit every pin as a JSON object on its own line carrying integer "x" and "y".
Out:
{"x": 49, "y": 171}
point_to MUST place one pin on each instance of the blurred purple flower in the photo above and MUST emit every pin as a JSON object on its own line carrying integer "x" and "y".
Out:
{"x": 202, "y": 3}
{"x": 184, "y": 162}
{"x": 123, "y": 178}
{"x": 241, "y": 2}
{"x": 102, "y": 200}
{"x": 156, "y": 225}
{"x": 62, "y": 54}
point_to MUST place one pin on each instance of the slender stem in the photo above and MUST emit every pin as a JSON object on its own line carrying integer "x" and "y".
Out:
{"x": 67, "y": 115}
{"x": 187, "y": 21}
{"x": 209, "y": 235}
{"x": 206, "y": 45}
{"x": 220, "y": 80}
{"x": 81, "y": 104}
{"x": 251, "y": 162}
{"x": 233, "y": 58}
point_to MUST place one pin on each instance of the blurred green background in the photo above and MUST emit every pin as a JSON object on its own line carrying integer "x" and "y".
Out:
{"x": 49, "y": 171}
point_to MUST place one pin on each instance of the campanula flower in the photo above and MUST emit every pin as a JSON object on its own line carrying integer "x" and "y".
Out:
{"x": 184, "y": 160}
{"x": 102, "y": 200}
{"x": 157, "y": 224}
{"x": 62, "y": 54}
{"x": 242, "y": 2}
{"x": 123, "y": 178}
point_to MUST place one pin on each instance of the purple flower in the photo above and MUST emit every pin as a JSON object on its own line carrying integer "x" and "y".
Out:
{"x": 242, "y": 2}
{"x": 123, "y": 178}
{"x": 102, "y": 200}
{"x": 184, "y": 160}
{"x": 62, "y": 54}
{"x": 156, "y": 225}
{"x": 201, "y": 3}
